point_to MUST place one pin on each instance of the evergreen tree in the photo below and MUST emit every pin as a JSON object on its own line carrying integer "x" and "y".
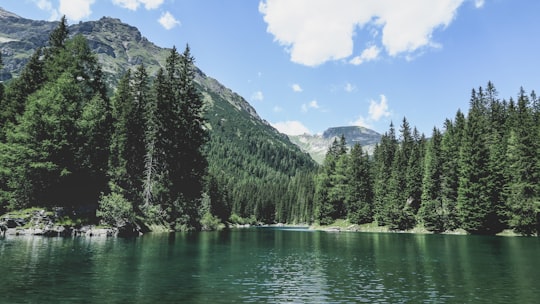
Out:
{"x": 330, "y": 189}
{"x": 121, "y": 104}
{"x": 360, "y": 189}
{"x": 415, "y": 171}
{"x": 1, "y": 86}
{"x": 432, "y": 212}
{"x": 497, "y": 140}
{"x": 13, "y": 104}
{"x": 63, "y": 127}
{"x": 383, "y": 159}
{"x": 450, "y": 151}
{"x": 474, "y": 205}
{"x": 400, "y": 214}
{"x": 522, "y": 154}
{"x": 178, "y": 141}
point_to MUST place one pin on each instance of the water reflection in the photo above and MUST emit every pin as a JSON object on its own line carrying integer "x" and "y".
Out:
{"x": 270, "y": 266}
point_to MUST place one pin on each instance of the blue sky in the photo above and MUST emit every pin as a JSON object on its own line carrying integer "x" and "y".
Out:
{"x": 306, "y": 65}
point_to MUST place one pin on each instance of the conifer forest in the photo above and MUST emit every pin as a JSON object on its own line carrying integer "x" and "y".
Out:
{"x": 145, "y": 151}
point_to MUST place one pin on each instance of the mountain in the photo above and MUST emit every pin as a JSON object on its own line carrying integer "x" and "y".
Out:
{"x": 317, "y": 145}
{"x": 247, "y": 157}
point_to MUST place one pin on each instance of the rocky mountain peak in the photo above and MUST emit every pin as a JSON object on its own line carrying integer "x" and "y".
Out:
{"x": 317, "y": 145}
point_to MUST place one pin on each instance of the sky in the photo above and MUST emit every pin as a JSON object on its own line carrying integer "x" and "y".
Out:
{"x": 307, "y": 65}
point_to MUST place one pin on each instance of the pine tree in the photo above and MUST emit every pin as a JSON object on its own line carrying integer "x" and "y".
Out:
{"x": 415, "y": 171}
{"x": 383, "y": 156}
{"x": 522, "y": 153}
{"x": 497, "y": 141}
{"x": 330, "y": 188}
{"x": 360, "y": 189}
{"x": 450, "y": 150}
{"x": 400, "y": 214}
{"x": 1, "y": 86}
{"x": 178, "y": 141}
{"x": 135, "y": 137}
{"x": 432, "y": 212}
{"x": 121, "y": 103}
{"x": 474, "y": 205}
{"x": 13, "y": 104}
{"x": 63, "y": 128}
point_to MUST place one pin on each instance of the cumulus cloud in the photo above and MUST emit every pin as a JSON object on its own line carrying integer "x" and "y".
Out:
{"x": 311, "y": 105}
{"x": 378, "y": 109}
{"x": 257, "y": 96}
{"x": 316, "y": 31}
{"x": 168, "y": 21}
{"x": 369, "y": 54}
{"x": 75, "y": 9}
{"x": 47, "y": 6}
{"x": 296, "y": 88}
{"x": 134, "y": 4}
{"x": 291, "y": 127}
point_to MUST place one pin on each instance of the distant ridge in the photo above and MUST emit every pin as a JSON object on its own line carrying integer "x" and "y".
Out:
{"x": 317, "y": 145}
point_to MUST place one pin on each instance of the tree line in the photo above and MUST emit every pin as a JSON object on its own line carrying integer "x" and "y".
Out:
{"x": 481, "y": 173}
{"x": 148, "y": 152}
{"x": 66, "y": 143}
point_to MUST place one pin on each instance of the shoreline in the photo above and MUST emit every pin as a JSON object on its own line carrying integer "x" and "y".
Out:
{"x": 39, "y": 222}
{"x": 345, "y": 226}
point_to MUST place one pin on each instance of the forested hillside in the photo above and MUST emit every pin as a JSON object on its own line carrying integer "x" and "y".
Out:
{"x": 175, "y": 147}
{"x": 481, "y": 173}
{"x": 111, "y": 136}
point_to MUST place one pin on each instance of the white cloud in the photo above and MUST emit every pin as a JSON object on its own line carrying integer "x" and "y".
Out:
{"x": 362, "y": 122}
{"x": 134, "y": 4}
{"x": 369, "y": 54}
{"x": 76, "y": 9}
{"x": 151, "y": 4}
{"x": 296, "y": 87}
{"x": 479, "y": 3}
{"x": 311, "y": 105}
{"x": 257, "y": 96}
{"x": 291, "y": 127}
{"x": 378, "y": 109}
{"x": 316, "y": 31}
{"x": 349, "y": 87}
{"x": 46, "y": 5}
{"x": 168, "y": 21}
{"x": 129, "y": 4}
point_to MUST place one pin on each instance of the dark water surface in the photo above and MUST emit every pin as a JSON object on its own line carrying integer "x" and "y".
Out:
{"x": 268, "y": 265}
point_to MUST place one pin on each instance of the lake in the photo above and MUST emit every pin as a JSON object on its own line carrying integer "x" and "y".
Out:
{"x": 270, "y": 265}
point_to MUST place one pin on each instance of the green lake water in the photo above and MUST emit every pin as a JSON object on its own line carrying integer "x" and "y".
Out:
{"x": 266, "y": 265}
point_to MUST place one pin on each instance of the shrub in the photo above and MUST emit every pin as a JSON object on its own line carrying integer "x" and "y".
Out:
{"x": 115, "y": 210}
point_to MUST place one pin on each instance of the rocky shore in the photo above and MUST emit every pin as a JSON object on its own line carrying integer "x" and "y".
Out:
{"x": 53, "y": 224}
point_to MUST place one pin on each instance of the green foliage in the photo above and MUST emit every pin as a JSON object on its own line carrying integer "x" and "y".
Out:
{"x": 180, "y": 150}
{"x": 115, "y": 210}
{"x": 359, "y": 200}
{"x": 235, "y": 219}
{"x": 480, "y": 175}
{"x": 211, "y": 222}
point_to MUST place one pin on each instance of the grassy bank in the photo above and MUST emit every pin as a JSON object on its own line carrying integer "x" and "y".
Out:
{"x": 345, "y": 225}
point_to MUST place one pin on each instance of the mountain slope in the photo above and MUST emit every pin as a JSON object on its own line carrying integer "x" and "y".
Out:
{"x": 317, "y": 145}
{"x": 244, "y": 151}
